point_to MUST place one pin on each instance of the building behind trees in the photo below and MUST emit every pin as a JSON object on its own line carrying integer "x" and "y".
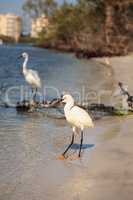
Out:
{"x": 10, "y": 26}
{"x": 38, "y": 24}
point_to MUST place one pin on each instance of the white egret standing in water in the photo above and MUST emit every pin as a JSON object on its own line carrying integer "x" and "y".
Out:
{"x": 31, "y": 76}
{"x": 77, "y": 117}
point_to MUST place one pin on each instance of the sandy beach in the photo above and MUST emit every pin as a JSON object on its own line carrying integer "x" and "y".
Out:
{"x": 111, "y": 163}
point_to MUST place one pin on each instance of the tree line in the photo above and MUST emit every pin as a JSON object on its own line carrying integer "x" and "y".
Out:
{"x": 87, "y": 27}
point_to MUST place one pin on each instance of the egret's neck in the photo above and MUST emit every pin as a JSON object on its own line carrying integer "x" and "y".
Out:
{"x": 69, "y": 106}
{"x": 125, "y": 92}
{"x": 25, "y": 64}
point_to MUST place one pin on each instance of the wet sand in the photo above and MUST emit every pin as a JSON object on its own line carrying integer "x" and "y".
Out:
{"x": 111, "y": 163}
{"x": 105, "y": 170}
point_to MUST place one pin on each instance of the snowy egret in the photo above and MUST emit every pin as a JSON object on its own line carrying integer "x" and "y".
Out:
{"x": 123, "y": 89}
{"x": 77, "y": 117}
{"x": 31, "y": 76}
{"x": 124, "y": 92}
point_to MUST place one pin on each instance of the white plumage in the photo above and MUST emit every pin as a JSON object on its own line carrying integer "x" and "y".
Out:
{"x": 77, "y": 117}
{"x": 31, "y": 76}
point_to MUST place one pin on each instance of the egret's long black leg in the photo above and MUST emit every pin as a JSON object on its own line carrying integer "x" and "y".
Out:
{"x": 69, "y": 145}
{"x": 81, "y": 143}
{"x": 34, "y": 97}
{"x": 32, "y": 92}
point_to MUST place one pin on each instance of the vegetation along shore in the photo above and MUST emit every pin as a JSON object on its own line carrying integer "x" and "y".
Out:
{"x": 90, "y": 28}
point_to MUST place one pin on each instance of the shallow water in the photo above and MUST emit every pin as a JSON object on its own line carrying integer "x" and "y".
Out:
{"x": 31, "y": 143}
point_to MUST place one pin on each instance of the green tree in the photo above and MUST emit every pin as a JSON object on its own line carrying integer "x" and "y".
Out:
{"x": 37, "y": 7}
{"x": 98, "y": 25}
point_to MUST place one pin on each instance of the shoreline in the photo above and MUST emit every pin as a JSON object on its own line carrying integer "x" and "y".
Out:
{"x": 122, "y": 68}
{"x": 110, "y": 164}
{"x": 84, "y": 54}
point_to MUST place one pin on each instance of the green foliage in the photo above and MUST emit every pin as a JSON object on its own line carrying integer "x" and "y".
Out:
{"x": 37, "y": 7}
{"x": 86, "y": 24}
{"x": 27, "y": 39}
{"x": 70, "y": 20}
{"x": 67, "y": 20}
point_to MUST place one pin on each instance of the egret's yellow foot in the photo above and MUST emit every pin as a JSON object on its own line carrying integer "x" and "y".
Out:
{"x": 61, "y": 157}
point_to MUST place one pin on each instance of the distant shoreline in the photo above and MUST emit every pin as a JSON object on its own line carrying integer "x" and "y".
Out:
{"x": 82, "y": 54}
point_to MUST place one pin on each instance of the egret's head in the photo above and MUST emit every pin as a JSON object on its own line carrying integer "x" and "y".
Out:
{"x": 120, "y": 84}
{"x": 121, "y": 91}
{"x": 24, "y": 55}
{"x": 67, "y": 98}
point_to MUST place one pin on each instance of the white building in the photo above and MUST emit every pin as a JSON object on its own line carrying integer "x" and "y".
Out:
{"x": 10, "y": 25}
{"x": 37, "y": 25}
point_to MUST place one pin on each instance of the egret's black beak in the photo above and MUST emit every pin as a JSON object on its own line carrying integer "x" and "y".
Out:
{"x": 60, "y": 99}
{"x": 19, "y": 57}
{"x": 120, "y": 84}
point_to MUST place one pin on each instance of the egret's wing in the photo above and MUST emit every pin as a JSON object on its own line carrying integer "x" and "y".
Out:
{"x": 35, "y": 75}
{"x": 125, "y": 105}
{"x": 80, "y": 115}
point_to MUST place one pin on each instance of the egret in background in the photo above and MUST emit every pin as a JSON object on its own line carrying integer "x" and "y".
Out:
{"x": 78, "y": 118}
{"x": 125, "y": 100}
{"x": 124, "y": 92}
{"x": 31, "y": 76}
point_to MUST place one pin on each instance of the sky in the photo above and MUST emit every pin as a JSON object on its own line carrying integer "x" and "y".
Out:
{"x": 11, "y": 6}
{"x": 14, "y": 6}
